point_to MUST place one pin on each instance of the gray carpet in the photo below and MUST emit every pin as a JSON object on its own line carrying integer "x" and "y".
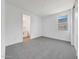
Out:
{"x": 41, "y": 48}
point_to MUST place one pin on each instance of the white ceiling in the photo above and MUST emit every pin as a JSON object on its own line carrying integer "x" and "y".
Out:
{"x": 44, "y": 7}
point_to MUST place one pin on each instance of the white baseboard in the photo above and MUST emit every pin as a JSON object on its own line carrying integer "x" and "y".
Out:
{"x": 58, "y": 38}
{"x": 13, "y": 43}
{"x": 9, "y": 44}
{"x": 36, "y": 37}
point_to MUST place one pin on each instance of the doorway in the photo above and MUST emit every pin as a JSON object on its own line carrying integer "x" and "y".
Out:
{"x": 26, "y": 29}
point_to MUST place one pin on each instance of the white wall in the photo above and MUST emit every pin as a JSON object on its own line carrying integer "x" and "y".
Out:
{"x": 2, "y": 29}
{"x": 40, "y": 26}
{"x": 50, "y": 26}
{"x": 36, "y": 27}
{"x": 13, "y": 25}
{"x": 76, "y": 26}
{"x": 13, "y": 28}
{"x": 76, "y": 30}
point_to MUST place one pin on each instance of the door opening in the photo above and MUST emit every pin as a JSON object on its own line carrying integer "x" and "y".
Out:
{"x": 26, "y": 29}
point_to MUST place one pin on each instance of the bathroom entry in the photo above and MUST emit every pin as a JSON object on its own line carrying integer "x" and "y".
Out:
{"x": 26, "y": 29}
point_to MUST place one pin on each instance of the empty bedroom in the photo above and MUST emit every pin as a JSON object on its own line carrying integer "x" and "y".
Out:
{"x": 41, "y": 29}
